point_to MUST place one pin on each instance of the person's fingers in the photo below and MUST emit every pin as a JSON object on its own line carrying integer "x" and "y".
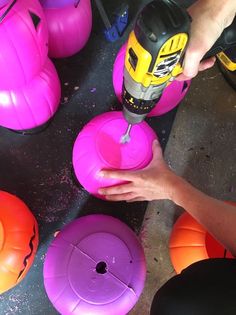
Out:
{"x": 206, "y": 27}
{"x": 124, "y": 175}
{"x": 119, "y": 189}
{"x": 120, "y": 197}
{"x": 182, "y": 77}
{"x": 132, "y": 175}
{"x": 157, "y": 155}
{"x": 209, "y": 19}
{"x": 192, "y": 60}
{"x": 206, "y": 64}
{"x": 157, "y": 150}
{"x": 136, "y": 199}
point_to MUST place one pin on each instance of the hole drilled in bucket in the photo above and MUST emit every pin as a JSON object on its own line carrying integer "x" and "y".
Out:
{"x": 101, "y": 267}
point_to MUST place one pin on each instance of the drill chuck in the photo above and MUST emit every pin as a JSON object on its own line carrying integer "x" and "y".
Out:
{"x": 131, "y": 117}
{"x": 139, "y": 100}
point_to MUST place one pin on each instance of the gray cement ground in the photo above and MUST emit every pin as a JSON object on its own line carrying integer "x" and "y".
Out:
{"x": 202, "y": 149}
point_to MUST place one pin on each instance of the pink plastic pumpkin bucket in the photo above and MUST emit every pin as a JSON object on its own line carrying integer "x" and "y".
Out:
{"x": 69, "y": 25}
{"x": 32, "y": 105}
{"x": 98, "y": 147}
{"x": 171, "y": 97}
{"x": 29, "y": 84}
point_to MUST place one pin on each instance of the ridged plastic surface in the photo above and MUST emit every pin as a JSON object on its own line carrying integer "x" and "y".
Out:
{"x": 190, "y": 242}
{"x": 29, "y": 84}
{"x": 18, "y": 240}
{"x": 98, "y": 147}
{"x": 95, "y": 265}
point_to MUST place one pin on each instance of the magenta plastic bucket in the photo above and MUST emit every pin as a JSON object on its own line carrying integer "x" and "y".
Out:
{"x": 32, "y": 105}
{"x": 98, "y": 147}
{"x": 4, "y": 2}
{"x": 69, "y": 25}
{"x": 95, "y": 265}
{"x": 24, "y": 50}
{"x": 170, "y": 98}
{"x": 29, "y": 84}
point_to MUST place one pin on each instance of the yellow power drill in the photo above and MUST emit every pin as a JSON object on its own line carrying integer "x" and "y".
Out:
{"x": 154, "y": 55}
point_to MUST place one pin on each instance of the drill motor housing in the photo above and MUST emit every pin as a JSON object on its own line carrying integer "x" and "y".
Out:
{"x": 155, "y": 47}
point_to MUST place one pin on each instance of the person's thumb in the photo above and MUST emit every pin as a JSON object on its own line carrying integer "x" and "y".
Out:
{"x": 199, "y": 44}
{"x": 157, "y": 150}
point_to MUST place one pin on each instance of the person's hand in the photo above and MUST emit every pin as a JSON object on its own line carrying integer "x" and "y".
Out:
{"x": 209, "y": 19}
{"x": 156, "y": 181}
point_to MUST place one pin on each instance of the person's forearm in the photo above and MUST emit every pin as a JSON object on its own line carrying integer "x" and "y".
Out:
{"x": 158, "y": 182}
{"x": 218, "y": 217}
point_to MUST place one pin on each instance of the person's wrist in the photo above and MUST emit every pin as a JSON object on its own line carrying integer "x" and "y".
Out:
{"x": 178, "y": 190}
{"x": 172, "y": 184}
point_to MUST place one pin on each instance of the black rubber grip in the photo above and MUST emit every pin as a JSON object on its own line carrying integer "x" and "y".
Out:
{"x": 225, "y": 41}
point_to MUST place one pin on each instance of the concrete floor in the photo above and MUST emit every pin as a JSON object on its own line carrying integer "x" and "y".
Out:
{"x": 202, "y": 149}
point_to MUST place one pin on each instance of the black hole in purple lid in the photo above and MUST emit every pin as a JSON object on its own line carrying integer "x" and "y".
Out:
{"x": 101, "y": 267}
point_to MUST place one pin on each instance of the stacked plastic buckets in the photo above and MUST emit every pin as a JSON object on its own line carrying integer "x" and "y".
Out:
{"x": 29, "y": 85}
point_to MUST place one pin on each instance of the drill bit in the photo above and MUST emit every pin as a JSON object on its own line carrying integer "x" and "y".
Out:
{"x": 126, "y": 137}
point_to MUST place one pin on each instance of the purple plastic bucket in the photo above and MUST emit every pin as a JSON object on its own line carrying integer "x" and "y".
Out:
{"x": 95, "y": 265}
{"x": 4, "y": 2}
{"x": 58, "y": 3}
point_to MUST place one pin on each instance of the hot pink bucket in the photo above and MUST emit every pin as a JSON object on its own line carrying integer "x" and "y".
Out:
{"x": 69, "y": 25}
{"x": 98, "y": 147}
{"x": 29, "y": 84}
